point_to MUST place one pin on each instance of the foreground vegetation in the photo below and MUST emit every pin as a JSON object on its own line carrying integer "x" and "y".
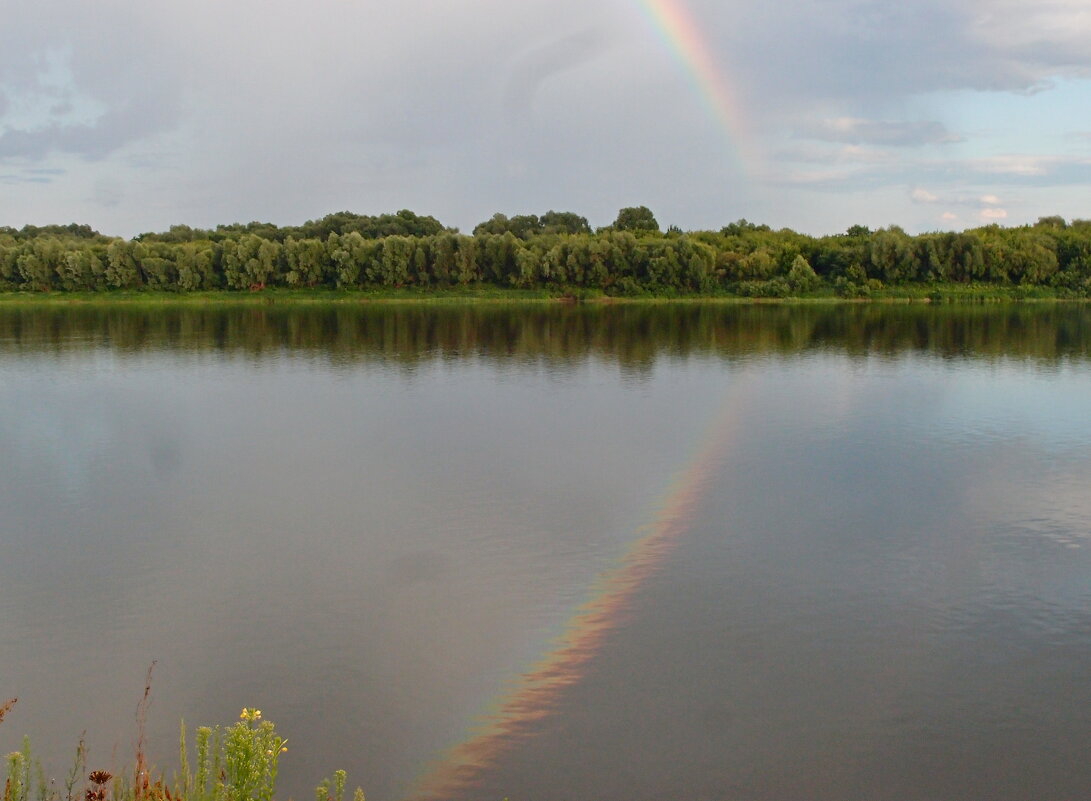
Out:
{"x": 233, "y": 763}
{"x": 405, "y": 255}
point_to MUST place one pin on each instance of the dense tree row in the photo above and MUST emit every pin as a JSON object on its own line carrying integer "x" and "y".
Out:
{"x": 556, "y": 250}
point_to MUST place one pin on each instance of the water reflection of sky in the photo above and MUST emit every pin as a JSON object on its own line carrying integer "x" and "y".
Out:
{"x": 373, "y": 547}
{"x": 373, "y": 552}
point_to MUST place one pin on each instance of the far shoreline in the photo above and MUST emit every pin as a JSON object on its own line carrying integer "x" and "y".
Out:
{"x": 920, "y": 294}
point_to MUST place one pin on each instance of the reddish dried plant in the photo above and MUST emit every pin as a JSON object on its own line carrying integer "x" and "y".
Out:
{"x": 6, "y": 707}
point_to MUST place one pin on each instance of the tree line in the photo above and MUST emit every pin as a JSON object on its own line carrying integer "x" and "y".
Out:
{"x": 556, "y": 251}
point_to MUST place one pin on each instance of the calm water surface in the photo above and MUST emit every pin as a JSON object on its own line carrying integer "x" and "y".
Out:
{"x": 700, "y": 552}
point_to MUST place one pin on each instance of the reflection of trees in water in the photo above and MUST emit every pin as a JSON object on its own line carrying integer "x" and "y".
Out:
{"x": 634, "y": 336}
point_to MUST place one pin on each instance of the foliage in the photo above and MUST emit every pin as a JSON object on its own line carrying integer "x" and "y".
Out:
{"x": 636, "y": 218}
{"x": 236, "y": 763}
{"x": 555, "y": 252}
{"x": 526, "y": 226}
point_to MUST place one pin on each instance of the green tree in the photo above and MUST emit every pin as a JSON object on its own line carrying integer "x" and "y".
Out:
{"x": 195, "y": 267}
{"x": 397, "y": 258}
{"x": 564, "y": 222}
{"x": 636, "y": 218}
{"x": 801, "y": 276}
{"x": 81, "y": 269}
{"x": 527, "y": 265}
{"x": 251, "y": 261}
{"x": 469, "y": 271}
{"x": 156, "y": 261}
{"x": 1032, "y": 259}
{"x": 758, "y": 265}
{"x": 891, "y": 255}
{"x": 306, "y": 260}
{"x": 444, "y": 258}
{"x": 37, "y": 265}
{"x": 122, "y": 271}
{"x": 966, "y": 258}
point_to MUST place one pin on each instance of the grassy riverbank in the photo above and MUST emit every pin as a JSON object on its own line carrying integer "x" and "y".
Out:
{"x": 919, "y": 293}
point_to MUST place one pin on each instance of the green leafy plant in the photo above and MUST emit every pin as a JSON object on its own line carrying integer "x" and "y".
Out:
{"x": 334, "y": 790}
{"x": 252, "y": 750}
{"x": 234, "y": 763}
{"x": 25, "y": 777}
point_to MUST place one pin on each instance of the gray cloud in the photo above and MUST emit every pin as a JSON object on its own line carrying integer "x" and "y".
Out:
{"x": 107, "y": 193}
{"x": 14, "y": 179}
{"x": 101, "y": 77}
{"x": 851, "y": 169}
{"x": 868, "y": 53}
{"x": 856, "y": 131}
{"x": 208, "y": 112}
{"x": 534, "y": 68}
{"x": 115, "y": 129}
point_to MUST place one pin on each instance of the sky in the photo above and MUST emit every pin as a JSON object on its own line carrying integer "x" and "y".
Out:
{"x": 133, "y": 115}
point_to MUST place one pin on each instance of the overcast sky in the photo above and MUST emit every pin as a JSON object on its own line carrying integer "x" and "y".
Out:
{"x": 132, "y": 115}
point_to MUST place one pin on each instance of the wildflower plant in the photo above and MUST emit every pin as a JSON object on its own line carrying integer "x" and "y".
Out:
{"x": 235, "y": 763}
{"x": 334, "y": 790}
{"x": 26, "y": 779}
{"x": 252, "y": 749}
{"x": 239, "y": 763}
{"x": 15, "y": 785}
{"x": 97, "y": 791}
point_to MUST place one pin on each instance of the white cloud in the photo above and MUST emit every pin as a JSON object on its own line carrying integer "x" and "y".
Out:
{"x": 1015, "y": 165}
{"x": 993, "y": 214}
{"x": 920, "y": 195}
{"x": 812, "y": 177}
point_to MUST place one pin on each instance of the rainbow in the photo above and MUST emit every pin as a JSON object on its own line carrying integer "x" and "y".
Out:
{"x": 674, "y": 21}
{"x": 536, "y": 693}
